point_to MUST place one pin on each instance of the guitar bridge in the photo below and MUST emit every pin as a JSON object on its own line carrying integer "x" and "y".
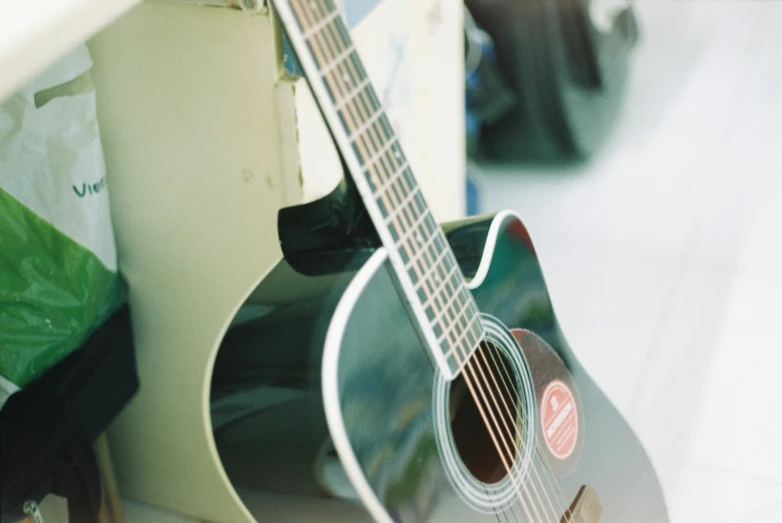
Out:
{"x": 586, "y": 507}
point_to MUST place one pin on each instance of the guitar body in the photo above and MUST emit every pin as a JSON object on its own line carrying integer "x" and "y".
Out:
{"x": 325, "y": 403}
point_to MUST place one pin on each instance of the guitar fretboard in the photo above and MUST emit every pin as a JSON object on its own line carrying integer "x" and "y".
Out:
{"x": 422, "y": 259}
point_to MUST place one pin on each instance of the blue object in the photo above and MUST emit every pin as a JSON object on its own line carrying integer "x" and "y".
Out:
{"x": 473, "y": 196}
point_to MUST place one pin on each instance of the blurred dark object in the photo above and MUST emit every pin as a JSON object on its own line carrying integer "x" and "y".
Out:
{"x": 47, "y": 429}
{"x": 567, "y": 71}
{"x": 487, "y": 96}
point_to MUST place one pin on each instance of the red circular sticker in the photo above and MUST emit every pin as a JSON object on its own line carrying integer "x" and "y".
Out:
{"x": 559, "y": 419}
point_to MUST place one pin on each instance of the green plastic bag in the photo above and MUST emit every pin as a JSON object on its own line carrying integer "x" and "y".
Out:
{"x": 58, "y": 261}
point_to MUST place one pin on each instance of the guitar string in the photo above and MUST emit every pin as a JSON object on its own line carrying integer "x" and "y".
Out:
{"x": 552, "y": 482}
{"x": 418, "y": 263}
{"x": 365, "y": 145}
{"x": 418, "y": 260}
{"x": 482, "y": 355}
{"x": 363, "y": 94}
{"x": 545, "y": 490}
{"x": 531, "y": 481}
{"x": 554, "y": 485}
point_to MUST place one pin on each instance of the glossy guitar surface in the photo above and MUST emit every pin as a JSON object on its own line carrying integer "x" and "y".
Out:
{"x": 325, "y": 403}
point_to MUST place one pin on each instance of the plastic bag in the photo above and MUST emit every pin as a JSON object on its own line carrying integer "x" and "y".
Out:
{"x": 58, "y": 261}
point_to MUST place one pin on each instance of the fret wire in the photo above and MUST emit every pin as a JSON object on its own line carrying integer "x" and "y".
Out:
{"x": 411, "y": 181}
{"x": 399, "y": 196}
{"x": 419, "y": 232}
{"x": 412, "y": 230}
{"x": 384, "y": 137}
{"x": 455, "y": 286}
{"x": 423, "y": 258}
{"x": 330, "y": 50}
{"x": 399, "y": 155}
{"x": 341, "y": 74}
{"x": 404, "y": 167}
{"x": 454, "y": 281}
{"x": 386, "y": 167}
{"x": 429, "y": 232}
{"x": 435, "y": 299}
{"x": 444, "y": 280}
{"x": 362, "y": 104}
{"x": 431, "y": 254}
{"x": 449, "y": 261}
{"x": 472, "y": 342}
{"x": 314, "y": 10}
{"x": 394, "y": 178}
{"x": 407, "y": 253}
{"x": 420, "y": 265}
{"x": 378, "y": 142}
{"x": 403, "y": 203}
{"x": 450, "y": 352}
{"x": 352, "y": 111}
{"x": 357, "y": 104}
{"x": 441, "y": 271}
{"x": 350, "y": 69}
{"x": 358, "y": 132}
{"x": 352, "y": 94}
{"x": 320, "y": 24}
{"x": 330, "y": 44}
{"x": 472, "y": 338}
{"x": 381, "y": 152}
{"x": 440, "y": 257}
{"x": 385, "y": 144}
{"x": 329, "y": 67}
{"x": 442, "y": 311}
{"x": 395, "y": 185}
{"x": 378, "y": 147}
{"x": 464, "y": 308}
{"x": 373, "y": 131}
{"x": 342, "y": 33}
{"x": 365, "y": 96}
{"x": 433, "y": 236}
{"x": 426, "y": 243}
{"x": 438, "y": 322}
{"x": 450, "y": 275}
{"x": 380, "y": 169}
{"x": 460, "y": 337}
{"x": 373, "y": 134}
{"x": 407, "y": 211}
{"x": 420, "y": 203}
{"x": 303, "y": 16}
{"x": 431, "y": 290}
{"x": 432, "y": 262}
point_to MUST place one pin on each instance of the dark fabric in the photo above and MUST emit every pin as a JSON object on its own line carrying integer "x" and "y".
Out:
{"x": 569, "y": 77}
{"x": 47, "y": 429}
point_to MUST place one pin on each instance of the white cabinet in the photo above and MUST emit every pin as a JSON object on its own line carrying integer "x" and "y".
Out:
{"x": 205, "y": 139}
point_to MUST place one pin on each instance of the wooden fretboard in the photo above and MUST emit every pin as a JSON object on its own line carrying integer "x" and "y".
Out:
{"x": 422, "y": 259}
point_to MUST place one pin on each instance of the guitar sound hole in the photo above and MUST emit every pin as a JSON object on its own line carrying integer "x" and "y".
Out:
{"x": 486, "y": 452}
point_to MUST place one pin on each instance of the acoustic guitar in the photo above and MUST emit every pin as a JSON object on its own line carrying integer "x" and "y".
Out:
{"x": 395, "y": 369}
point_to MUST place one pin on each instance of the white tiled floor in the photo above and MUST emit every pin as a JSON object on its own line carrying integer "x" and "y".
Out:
{"x": 664, "y": 253}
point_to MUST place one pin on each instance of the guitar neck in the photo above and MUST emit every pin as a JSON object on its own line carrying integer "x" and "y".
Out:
{"x": 422, "y": 260}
